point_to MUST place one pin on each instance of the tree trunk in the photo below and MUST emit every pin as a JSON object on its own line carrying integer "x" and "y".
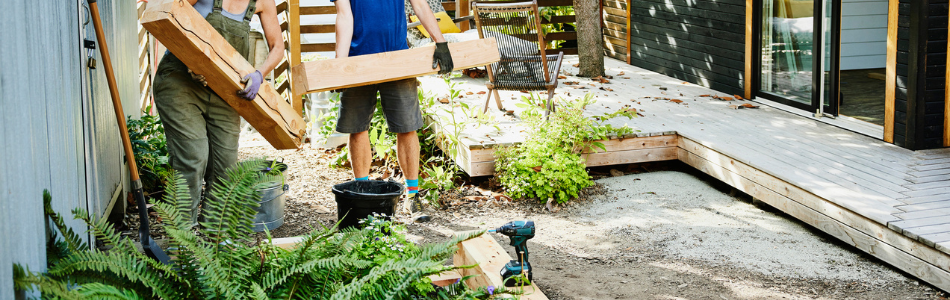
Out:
{"x": 590, "y": 41}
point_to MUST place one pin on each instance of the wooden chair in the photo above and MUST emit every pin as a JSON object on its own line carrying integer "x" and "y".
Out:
{"x": 524, "y": 66}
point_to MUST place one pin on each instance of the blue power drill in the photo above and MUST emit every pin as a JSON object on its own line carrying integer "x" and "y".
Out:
{"x": 519, "y": 232}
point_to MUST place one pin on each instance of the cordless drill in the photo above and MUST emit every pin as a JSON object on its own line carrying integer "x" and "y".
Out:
{"x": 519, "y": 232}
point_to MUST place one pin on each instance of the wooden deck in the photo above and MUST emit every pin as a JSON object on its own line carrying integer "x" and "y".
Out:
{"x": 890, "y": 202}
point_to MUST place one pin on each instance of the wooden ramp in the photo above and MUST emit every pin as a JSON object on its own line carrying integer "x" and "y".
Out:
{"x": 889, "y": 202}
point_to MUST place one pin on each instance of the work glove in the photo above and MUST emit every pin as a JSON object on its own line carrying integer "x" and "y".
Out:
{"x": 252, "y": 84}
{"x": 442, "y": 58}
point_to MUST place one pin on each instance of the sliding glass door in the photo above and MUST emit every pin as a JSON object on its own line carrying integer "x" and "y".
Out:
{"x": 797, "y": 38}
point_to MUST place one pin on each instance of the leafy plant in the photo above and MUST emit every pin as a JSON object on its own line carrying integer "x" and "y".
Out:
{"x": 219, "y": 260}
{"x": 547, "y": 165}
{"x": 151, "y": 151}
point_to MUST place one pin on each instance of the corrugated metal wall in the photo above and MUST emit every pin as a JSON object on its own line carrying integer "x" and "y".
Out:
{"x": 57, "y": 130}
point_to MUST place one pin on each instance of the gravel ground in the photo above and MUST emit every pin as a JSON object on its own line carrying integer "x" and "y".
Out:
{"x": 662, "y": 231}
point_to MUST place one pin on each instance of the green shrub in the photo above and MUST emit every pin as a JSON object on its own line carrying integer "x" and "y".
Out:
{"x": 149, "y": 146}
{"x": 547, "y": 165}
{"x": 220, "y": 260}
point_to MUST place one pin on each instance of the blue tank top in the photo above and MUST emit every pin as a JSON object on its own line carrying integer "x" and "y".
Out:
{"x": 378, "y": 26}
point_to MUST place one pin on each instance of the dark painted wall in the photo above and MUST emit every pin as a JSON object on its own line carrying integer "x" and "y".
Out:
{"x": 702, "y": 42}
{"x": 921, "y": 73}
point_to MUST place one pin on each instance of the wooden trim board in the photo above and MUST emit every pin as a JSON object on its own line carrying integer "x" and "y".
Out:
{"x": 490, "y": 257}
{"x": 331, "y": 74}
{"x": 749, "y": 48}
{"x": 890, "y": 81}
{"x": 186, "y": 34}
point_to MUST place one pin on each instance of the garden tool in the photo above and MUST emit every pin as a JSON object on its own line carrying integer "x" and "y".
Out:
{"x": 519, "y": 232}
{"x": 148, "y": 244}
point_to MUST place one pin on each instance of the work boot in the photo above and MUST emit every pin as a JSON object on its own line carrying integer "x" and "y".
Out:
{"x": 415, "y": 209}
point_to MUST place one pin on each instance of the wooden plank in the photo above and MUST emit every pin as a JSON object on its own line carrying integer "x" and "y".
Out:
{"x": 928, "y": 178}
{"x": 184, "y": 32}
{"x": 924, "y": 214}
{"x": 630, "y": 156}
{"x": 324, "y": 47}
{"x": 891, "y": 71}
{"x": 629, "y": 29}
{"x": 925, "y": 199}
{"x": 900, "y": 251}
{"x": 294, "y": 36}
{"x": 330, "y": 74}
{"x": 900, "y": 226}
{"x": 317, "y": 10}
{"x": 317, "y": 28}
{"x": 490, "y": 258}
{"x": 928, "y": 185}
{"x": 924, "y": 206}
{"x": 445, "y": 278}
{"x": 464, "y": 9}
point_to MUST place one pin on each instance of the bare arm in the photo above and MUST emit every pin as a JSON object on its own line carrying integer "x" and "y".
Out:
{"x": 344, "y": 28}
{"x": 427, "y": 18}
{"x": 267, "y": 11}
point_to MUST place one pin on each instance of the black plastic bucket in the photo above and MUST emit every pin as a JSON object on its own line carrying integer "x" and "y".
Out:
{"x": 356, "y": 200}
{"x": 270, "y": 212}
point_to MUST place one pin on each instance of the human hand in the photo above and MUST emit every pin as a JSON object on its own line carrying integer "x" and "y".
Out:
{"x": 199, "y": 78}
{"x": 252, "y": 84}
{"x": 442, "y": 58}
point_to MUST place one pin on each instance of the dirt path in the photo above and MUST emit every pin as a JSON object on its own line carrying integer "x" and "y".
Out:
{"x": 655, "y": 235}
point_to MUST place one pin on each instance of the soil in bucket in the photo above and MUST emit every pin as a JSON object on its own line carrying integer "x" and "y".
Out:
{"x": 356, "y": 200}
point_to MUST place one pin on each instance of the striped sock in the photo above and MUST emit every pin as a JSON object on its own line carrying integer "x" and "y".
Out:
{"x": 364, "y": 178}
{"x": 412, "y": 186}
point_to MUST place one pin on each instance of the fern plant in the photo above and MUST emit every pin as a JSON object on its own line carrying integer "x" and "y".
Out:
{"x": 219, "y": 260}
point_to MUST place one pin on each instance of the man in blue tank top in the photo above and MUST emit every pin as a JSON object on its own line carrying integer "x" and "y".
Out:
{"x": 369, "y": 27}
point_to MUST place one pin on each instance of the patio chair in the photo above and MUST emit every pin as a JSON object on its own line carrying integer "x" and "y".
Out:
{"x": 524, "y": 66}
{"x": 417, "y": 39}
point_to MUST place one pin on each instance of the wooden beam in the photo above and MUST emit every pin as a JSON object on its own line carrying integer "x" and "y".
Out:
{"x": 294, "y": 34}
{"x": 330, "y": 74}
{"x": 749, "y": 49}
{"x": 463, "y": 10}
{"x": 629, "y": 42}
{"x": 490, "y": 258}
{"x": 890, "y": 81}
{"x": 186, "y": 34}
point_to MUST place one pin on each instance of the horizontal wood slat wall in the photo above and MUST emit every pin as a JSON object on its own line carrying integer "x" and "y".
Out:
{"x": 703, "y": 42}
{"x": 616, "y": 29}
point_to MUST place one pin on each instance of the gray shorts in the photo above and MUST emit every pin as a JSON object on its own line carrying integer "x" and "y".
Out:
{"x": 399, "y": 100}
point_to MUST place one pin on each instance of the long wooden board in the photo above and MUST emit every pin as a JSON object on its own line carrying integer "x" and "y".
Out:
{"x": 331, "y": 74}
{"x": 490, "y": 257}
{"x": 192, "y": 39}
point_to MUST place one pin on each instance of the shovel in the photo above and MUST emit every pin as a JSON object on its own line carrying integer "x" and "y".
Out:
{"x": 148, "y": 244}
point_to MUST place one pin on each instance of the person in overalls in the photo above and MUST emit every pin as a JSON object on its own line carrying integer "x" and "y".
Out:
{"x": 201, "y": 128}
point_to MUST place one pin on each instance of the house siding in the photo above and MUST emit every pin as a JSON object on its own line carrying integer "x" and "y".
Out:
{"x": 57, "y": 127}
{"x": 921, "y": 74}
{"x": 702, "y": 42}
{"x": 863, "y": 34}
